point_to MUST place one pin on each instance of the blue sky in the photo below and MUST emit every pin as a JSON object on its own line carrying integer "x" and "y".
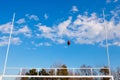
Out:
{"x": 43, "y": 27}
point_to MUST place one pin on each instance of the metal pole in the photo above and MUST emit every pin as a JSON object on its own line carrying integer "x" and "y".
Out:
{"x": 8, "y": 47}
{"x": 107, "y": 47}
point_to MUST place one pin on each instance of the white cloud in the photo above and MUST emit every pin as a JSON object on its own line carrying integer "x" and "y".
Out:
{"x": 5, "y": 28}
{"x": 41, "y": 44}
{"x": 115, "y": 15}
{"x": 34, "y": 17}
{"x": 55, "y": 33}
{"x": 83, "y": 30}
{"x": 47, "y": 44}
{"x": 45, "y": 29}
{"x": 24, "y": 30}
{"x": 3, "y": 41}
{"x": 115, "y": 0}
{"x": 88, "y": 29}
{"x": 45, "y": 16}
{"x": 60, "y": 41}
{"x": 74, "y": 9}
{"x": 111, "y": 1}
{"x": 91, "y": 30}
{"x": 116, "y": 43}
{"x": 46, "y": 32}
{"x": 108, "y": 1}
{"x": 14, "y": 40}
{"x": 62, "y": 27}
{"x": 20, "y": 21}
{"x": 78, "y": 20}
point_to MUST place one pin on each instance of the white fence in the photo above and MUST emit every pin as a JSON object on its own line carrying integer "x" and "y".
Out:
{"x": 72, "y": 73}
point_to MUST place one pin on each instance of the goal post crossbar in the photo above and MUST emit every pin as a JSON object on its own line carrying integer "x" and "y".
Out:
{"x": 43, "y": 76}
{"x": 54, "y": 68}
{"x": 71, "y": 71}
{"x": 72, "y": 75}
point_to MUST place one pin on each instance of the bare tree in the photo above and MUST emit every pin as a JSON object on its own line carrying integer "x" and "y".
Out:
{"x": 105, "y": 71}
{"x": 116, "y": 73}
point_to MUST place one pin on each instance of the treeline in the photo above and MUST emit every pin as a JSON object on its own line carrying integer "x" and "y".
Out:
{"x": 64, "y": 71}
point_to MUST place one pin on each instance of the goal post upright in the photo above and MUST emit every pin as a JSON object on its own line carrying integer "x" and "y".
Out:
{"x": 106, "y": 40}
{"x": 8, "y": 46}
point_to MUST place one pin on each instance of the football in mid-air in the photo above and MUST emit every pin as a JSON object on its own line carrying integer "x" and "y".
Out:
{"x": 68, "y": 42}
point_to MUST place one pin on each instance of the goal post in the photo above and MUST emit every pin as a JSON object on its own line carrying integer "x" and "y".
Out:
{"x": 87, "y": 73}
{"x": 19, "y": 77}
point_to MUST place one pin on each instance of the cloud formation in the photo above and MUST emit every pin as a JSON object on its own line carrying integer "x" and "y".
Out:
{"x": 14, "y": 40}
{"x": 40, "y": 44}
{"x": 5, "y": 28}
{"x": 80, "y": 29}
{"x": 45, "y": 16}
{"x": 74, "y": 9}
{"x": 20, "y": 21}
{"x": 83, "y": 30}
{"x": 109, "y": 1}
{"x": 24, "y": 30}
{"x": 32, "y": 17}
